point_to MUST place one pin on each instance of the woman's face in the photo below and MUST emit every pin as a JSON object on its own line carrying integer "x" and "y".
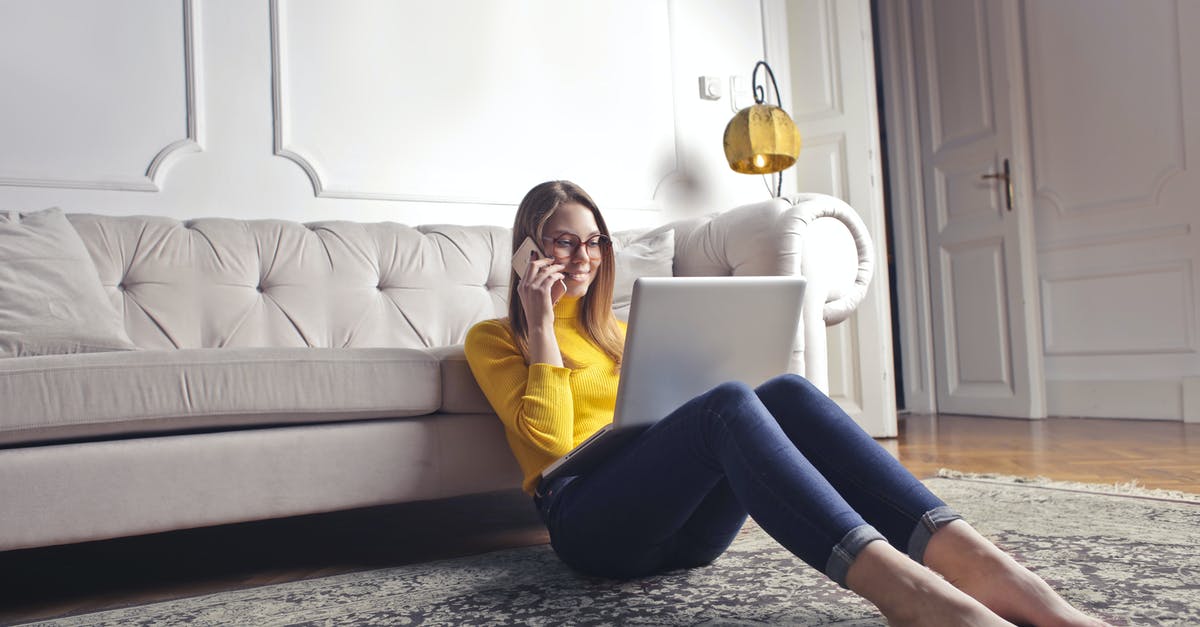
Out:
{"x": 565, "y": 237}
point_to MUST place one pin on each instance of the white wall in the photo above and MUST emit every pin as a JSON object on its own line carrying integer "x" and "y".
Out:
{"x": 415, "y": 112}
{"x": 431, "y": 112}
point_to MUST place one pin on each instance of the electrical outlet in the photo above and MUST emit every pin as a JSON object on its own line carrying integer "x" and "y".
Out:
{"x": 710, "y": 88}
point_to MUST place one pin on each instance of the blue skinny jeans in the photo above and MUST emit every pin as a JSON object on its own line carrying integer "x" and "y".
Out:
{"x": 784, "y": 453}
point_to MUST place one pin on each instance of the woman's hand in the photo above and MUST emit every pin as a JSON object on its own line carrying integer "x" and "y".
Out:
{"x": 539, "y": 289}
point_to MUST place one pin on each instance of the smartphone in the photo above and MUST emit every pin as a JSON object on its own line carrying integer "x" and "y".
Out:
{"x": 521, "y": 258}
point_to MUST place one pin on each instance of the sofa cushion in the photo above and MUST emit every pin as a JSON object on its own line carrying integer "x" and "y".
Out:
{"x": 460, "y": 393}
{"x": 51, "y": 299}
{"x": 61, "y": 397}
{"x": 217, "y": 282}
{"x": 639, "y": 254}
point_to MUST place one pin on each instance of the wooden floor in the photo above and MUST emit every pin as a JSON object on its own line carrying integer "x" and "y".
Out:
{"x": 1157, "y": 454}
{"x": 49, "y": 582}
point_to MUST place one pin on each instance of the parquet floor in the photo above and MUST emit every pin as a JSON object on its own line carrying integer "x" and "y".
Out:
{"x": 54, "y": 581}
{"x": 1156, "y": 454}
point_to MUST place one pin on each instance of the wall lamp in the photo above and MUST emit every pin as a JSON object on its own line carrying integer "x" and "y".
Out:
{"x": 762, "y": 138}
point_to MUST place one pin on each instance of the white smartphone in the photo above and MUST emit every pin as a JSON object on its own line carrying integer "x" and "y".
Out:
{"x": 521, "y": 258}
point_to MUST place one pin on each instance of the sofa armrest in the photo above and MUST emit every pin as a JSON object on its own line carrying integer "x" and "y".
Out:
{"x": 815, "y": 236}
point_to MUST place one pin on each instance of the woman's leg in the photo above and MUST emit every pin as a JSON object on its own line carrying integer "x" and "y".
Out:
{"x": 699, "y": 471}
{"x": 877, "y": 486}
{"x": 899, "y": 505}
{"x": 678, "y": 493}
{"x": 982, "y": 570}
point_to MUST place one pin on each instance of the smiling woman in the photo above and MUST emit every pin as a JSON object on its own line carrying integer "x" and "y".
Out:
{"x": 677, "y": 493}
{"x": 567, "y": 221}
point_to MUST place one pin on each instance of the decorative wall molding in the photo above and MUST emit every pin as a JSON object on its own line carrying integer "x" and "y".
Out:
{"x": 1144, "y": 310}
{"x": 1149, "y": 198}
{"x": 151, "y": 180}
{"x": 1115, "y": 238}
{"x": 1137, "y": 183}
{"x": 191, "y": 143}
{"x": 319, "y": 173}
{"x": 278, "y": 119}
{"x": 1154, "y": 399}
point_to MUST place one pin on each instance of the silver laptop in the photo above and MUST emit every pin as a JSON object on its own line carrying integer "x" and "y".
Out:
{"x": 687, "y": 335}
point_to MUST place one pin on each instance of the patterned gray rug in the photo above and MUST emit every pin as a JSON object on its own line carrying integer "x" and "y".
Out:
{"x": 1125, "y": 558}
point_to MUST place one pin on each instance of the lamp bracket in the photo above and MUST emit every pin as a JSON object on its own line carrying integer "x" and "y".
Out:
{"x": 759, "y": 92}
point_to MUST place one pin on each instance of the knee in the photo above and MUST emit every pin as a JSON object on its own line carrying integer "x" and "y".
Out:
{"x": 793, "y": 395}
{"x": 790, "y": 385}
{"x": 730, "y": 393}
{"x": 734, "y": 403}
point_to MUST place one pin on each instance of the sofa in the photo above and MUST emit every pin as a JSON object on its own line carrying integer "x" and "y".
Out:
{"x": 158, "y": 374}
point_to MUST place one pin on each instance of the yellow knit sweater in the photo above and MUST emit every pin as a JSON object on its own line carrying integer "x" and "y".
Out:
{"x": 546, "y": 410}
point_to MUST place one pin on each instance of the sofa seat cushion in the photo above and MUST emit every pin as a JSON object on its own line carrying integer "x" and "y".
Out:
{"x": 64, "y": 397}
{"x": 460, "y": 392}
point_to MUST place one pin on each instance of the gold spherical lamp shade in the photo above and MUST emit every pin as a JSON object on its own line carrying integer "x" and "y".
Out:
{"x": 761, "y": 139}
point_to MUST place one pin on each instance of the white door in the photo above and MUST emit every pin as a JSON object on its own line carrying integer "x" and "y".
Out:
{"x": 829, "y": 89}
{"x": 982, "y": 262}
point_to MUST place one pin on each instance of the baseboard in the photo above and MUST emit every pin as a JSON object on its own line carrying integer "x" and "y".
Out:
{"x": 1158, "y": 399}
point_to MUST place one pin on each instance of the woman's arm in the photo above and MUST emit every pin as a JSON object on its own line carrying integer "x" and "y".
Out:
{"x": 533, "y": 401}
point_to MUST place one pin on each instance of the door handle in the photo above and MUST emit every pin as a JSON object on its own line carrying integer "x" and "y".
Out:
{"x": 1008, "y": 184}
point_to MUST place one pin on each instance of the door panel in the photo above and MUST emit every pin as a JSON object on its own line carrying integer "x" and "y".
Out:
{"x": 978, "y": 358}
{"x": 958, "y": 63}
{"x": 981, "y": 276}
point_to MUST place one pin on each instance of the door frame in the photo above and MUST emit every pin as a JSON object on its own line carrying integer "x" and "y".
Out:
{"x": 903, "y": 154}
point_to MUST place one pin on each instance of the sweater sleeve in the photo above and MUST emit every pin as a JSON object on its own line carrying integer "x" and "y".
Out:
{"x": 533, "y": 401}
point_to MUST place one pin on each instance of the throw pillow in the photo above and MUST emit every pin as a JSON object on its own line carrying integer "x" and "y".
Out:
{"x": 639, "y": 254}
{"x": 51, "y": 298}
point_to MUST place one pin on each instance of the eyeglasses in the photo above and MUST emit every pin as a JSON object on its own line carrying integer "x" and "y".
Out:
{"x": 565, "y": 245}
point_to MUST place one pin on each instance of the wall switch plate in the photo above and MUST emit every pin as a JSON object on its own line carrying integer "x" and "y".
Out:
{"x": 740, "y": 94}
{"x": 710, "y": 88}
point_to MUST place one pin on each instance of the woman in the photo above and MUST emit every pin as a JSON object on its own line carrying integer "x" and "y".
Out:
{"x": 676, "y": 496}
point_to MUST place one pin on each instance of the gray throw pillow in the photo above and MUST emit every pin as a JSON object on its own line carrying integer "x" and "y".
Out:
{"x": 639, "y": 254}
{"x": 51, "y": 298}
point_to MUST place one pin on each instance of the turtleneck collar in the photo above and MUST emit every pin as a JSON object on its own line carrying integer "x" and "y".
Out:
{"x": 567, "y": 307}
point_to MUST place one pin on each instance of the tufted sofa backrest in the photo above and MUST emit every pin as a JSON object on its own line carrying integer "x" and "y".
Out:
{"x": 211, "y": 283}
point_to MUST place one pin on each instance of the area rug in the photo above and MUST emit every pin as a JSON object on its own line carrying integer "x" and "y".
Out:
{"x": 1131, "y": 559}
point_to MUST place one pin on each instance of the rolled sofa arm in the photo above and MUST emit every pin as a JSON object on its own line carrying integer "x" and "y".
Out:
{"x": 815, "y": 236}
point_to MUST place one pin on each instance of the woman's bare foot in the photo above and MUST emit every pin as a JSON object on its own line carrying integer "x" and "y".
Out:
{"x": 907, "y": 593}
{"x": 977, "y": 567}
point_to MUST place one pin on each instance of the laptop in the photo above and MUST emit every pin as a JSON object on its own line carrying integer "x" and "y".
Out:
{"x": 686, "y": 335}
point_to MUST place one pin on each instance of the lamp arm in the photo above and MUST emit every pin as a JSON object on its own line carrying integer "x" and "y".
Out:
{"x": 759, "y": 92}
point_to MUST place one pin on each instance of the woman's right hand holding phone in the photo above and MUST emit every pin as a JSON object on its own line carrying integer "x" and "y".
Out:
{"x": 540, "y": 288}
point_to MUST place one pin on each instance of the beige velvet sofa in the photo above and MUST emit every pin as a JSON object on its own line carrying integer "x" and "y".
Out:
{"x": 278, "y": 368}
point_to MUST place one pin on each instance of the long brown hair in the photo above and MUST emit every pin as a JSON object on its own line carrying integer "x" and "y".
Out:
{"x": 596, "y": 314}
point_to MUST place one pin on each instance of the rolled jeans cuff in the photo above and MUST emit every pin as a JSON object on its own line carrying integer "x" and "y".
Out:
{"x": 845, "y": 552}
{"x": 933, "y": 520}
